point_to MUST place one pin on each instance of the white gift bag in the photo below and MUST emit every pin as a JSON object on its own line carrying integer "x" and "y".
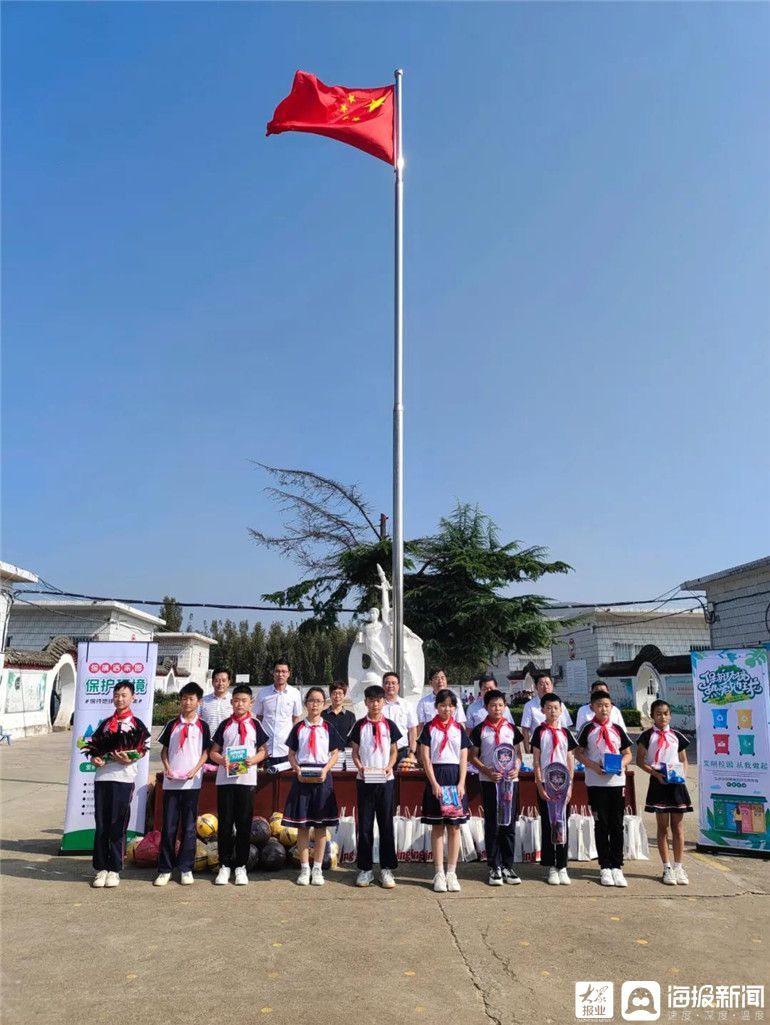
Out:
{"x": 576, "y": 849}
{"x": 346, "y": 838}
{"x": 467, "y": 845}
{"x": 403, "y": 826}
{"x": 635, "y": 843}
{"x": 589, "y": 837}
{"x": 476, "y": 824}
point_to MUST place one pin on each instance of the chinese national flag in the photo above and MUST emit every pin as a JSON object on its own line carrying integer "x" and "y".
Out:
{"x": 360, "y": 117}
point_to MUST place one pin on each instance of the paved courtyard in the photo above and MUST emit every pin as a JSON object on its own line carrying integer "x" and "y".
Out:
{"x": 291, "y": 956}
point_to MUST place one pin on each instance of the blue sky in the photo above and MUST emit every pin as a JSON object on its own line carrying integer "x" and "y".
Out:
{"x": 587, "y": 243}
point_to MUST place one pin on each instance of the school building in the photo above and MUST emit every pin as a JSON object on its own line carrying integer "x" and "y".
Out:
{"x": 737, "y": 604}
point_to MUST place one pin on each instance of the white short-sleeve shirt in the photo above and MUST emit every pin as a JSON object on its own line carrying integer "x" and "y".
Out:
{"x": 477, "y": 713}
{"x": 586, "y": 714}
{"x": 215, "y": 710}
{"x": 278, "y": 709}
{"x": 403, "y": 714}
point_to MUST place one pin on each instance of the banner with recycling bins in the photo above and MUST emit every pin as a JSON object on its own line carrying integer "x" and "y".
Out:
{"x": 100, "y": 665}
{"x": 732, "y": 708}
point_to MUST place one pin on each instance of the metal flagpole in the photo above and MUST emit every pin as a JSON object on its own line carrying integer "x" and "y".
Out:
{"x": 398, "y": 396}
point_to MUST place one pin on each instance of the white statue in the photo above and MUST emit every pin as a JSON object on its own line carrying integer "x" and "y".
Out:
{"x": 372, "y": 655}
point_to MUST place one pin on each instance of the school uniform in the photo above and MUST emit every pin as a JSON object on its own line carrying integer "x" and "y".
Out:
{"x": 402, "y": 713}
{"x": 663, "y": 747}
{"x": 533, "y": 715}
{"x": 375, "y": 800}
{"x": 445, "y": 742}
{"x": 477, "y": 713}
{"x": 185, "y": 742}
{"x": 113, "y": 790}
{"x": 498, "y": 839}
{"x": 426, "y": 709}
{"x": 606, "y": 794}
{"x": 554, "y": 746}
{"x": 586, "y": 714}
{"x": 278, "y": 709}
{"x": 235, "y": 795}
{"x": 343, "y": 722}
{"x": 312, "y": 804}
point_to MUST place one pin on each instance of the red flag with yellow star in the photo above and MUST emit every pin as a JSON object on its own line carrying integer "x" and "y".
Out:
{"x": 360, "y": 117}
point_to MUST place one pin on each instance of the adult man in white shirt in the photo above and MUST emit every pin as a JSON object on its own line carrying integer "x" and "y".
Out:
{"x": 216, "y": 707}
{"x": 586, "y": 713}
{"x": 278, "y": 707}
{"x": 426, "y": 707}
{"x": 477, "y": 711}
{"x": 402, "y": 714}
{"x": 532, "y": 715}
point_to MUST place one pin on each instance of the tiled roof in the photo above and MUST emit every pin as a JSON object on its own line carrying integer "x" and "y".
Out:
{"x": 666, "y": 665}
{"x": 45, "y": 659}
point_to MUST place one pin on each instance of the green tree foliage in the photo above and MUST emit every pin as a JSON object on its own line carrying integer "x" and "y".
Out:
{"x": 171, "y": 611}
{"x": 317, "y": 655}
{"x": 454, "y": 581}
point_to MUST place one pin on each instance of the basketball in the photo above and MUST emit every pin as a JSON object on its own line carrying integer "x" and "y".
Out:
{"x": 252, "y": 862}
{"x": 276, "y": 823}
{"x": 206, "y": 826}
{"x": 260, "y": 831}
{"x": 287, "y": 835}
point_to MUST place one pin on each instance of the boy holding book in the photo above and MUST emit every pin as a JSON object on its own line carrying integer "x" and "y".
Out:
{"x": 238, "y": 746}
{"x": 605, "y": 751}
{"x": 185, "y": 743}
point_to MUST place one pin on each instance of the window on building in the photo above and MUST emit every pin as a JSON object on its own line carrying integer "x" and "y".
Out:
{"x": 624, "y": 651}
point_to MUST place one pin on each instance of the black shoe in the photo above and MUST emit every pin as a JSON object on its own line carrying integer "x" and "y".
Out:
{"x": 510, "y": 877}
{"x": 495, "y": 877}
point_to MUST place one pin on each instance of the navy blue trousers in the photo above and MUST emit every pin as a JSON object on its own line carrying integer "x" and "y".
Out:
{"x": 112, "y": 807}
{"x": 375, "y": 801}
{"x": 498, "y": 840}
{"x": 180, "y": 808}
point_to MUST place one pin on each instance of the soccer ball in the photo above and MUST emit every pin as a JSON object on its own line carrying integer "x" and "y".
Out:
{"x": 272, "y": 857}
{"x": 207, "y": 826}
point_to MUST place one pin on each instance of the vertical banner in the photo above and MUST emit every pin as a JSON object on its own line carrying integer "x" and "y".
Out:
{"x": 100, "y": 665}
{"x": 732, "y": 710}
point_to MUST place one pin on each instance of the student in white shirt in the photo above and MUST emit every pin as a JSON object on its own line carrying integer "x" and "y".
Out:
{"x": 476, "y": 712}
{"x": 426, "y": 706}
{"x": 216, "y": 707}
{"x": 278, "y": 708}
{"x": 401, "y": 713}
{"x": 586, "y": 714}
{"x": 606, "y": 790}
{"x": 533, "y": 714}
{"x": 185, "y": 743}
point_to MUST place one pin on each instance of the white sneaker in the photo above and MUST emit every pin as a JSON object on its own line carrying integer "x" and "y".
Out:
{"x": 681, "y": 876}
{"x": 605, "y": 877}
{"x": 187, "y": 879}
{"x": 113, "y": 879}
{"x": 387, "y": 882}
{"x": 161, "y": 879}
{"x": 303, "y": 879}
{"x": 439, "y": 883}
{"x": 241, "y": 877}
{"x": 364, "y": 878}
{"x": 452, "y": 882}
{"x": 669, "y": 876}
{"x": 618, "y": 878}
{"x": 223, "y": 876}
{"x": 553, "y": 877}
{"x": 510, "y": 877}
{"x": 99, "y": 879}
{"x": 317, "y": 876}
{"x": 564, "y": 878}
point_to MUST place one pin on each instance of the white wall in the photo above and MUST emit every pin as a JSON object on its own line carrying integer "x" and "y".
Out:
{"x": 25, "y": 697}
{"x": 741, "y": 623}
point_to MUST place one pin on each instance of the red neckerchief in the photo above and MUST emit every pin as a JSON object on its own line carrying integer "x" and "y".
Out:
{"x": 443, "y": 727}
{"x": 496, "y": 728}
{"x": 311, "y": 740}
{"x": 556, "y": 732}
{"x": 375, "y": 725}
{"x": 241, "y": 724}
{"x": 184, "y": 725}
{"x": 604, "y": 733}
{"x": 663, "y": 743}
{"x": 112, "y": 725}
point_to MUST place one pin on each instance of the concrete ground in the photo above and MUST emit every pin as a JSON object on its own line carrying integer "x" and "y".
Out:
{"x": 287, "y": 956}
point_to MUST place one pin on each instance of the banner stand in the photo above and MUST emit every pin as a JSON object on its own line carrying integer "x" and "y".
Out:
{"x": 101, "y": 664}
